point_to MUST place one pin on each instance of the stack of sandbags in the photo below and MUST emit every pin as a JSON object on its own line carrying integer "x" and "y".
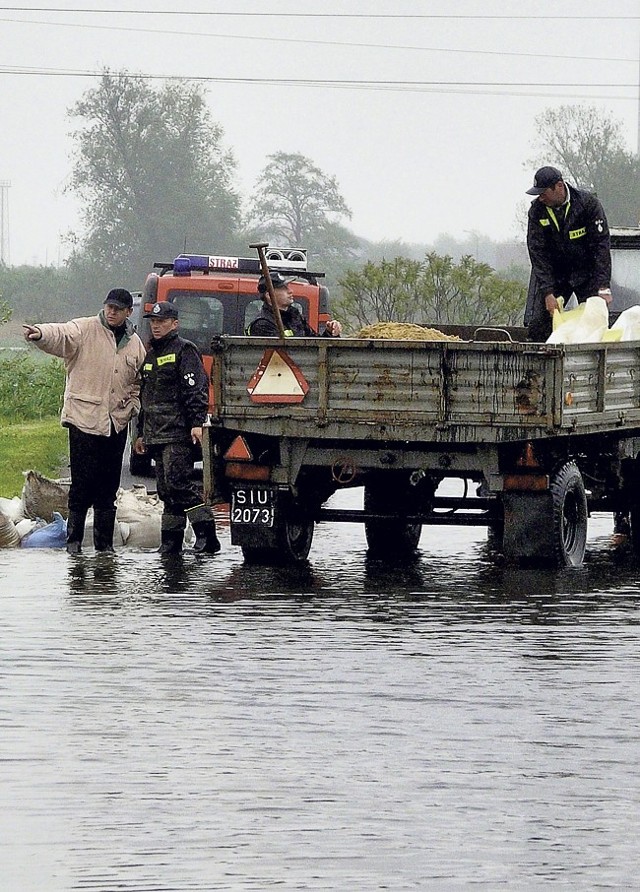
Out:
{"x": 139, "y": 515}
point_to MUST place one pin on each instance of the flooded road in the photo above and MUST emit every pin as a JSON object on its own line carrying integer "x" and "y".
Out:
{"x": 200, "y": 724}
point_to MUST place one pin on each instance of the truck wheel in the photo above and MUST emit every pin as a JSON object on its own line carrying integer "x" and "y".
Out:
{"x": 569, "y": 510}
{"x": 389, "y": 537}
{"x": 293, "y": 544}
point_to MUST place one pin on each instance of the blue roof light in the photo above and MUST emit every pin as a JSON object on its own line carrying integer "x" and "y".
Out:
{"x": 181, "y": 266}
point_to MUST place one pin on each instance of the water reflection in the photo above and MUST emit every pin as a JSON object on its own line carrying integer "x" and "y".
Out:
{"x": 201, "y": 723}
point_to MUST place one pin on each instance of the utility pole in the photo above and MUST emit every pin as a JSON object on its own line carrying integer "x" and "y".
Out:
{"x": 4, "y": 221}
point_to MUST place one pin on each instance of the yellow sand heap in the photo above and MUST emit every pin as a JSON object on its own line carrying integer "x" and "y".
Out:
{"x": 404, "y": 331}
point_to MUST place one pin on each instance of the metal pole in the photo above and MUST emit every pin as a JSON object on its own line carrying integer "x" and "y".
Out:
{"x": 267, "y": 277}
{"x": 4, "y": 221}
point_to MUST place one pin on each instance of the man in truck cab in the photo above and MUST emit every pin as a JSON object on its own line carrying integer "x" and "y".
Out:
{"x": 569, "y": 248}
{"x": 295, "y": 325}
{"x": 174, "y": 397}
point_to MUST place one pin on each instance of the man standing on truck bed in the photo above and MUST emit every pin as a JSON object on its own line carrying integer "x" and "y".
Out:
{"x": 174, "y": 395}
{"x": 295, "y": 325}
{"x": 569, "y": 249}
{"x": 102, "y": 355}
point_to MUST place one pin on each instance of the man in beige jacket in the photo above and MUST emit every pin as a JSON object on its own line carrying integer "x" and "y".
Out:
{"x": 102, "y": 356}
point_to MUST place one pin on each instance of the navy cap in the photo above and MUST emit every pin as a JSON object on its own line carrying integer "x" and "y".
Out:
{"x": 544, "y": 179}
{"x": 119, "y": 297}
{"x": 163, "y": 310}
{"x": 277, "y": 281}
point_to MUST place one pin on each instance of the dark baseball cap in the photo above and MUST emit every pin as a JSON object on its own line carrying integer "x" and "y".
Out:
{"x": 544, "y": 179}
{"x": 120, "y": 297}
{"x": 277, "y": 281}
{"x": 163, "y": 310}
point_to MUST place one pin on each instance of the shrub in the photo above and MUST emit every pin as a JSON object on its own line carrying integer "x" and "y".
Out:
{"x": 30, "y": 389}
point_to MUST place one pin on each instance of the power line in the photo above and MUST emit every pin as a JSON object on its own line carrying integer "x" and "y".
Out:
{"x": 316, "y": 42}
{"x": 469, "y": 87}
{"x": 321, "y": 15}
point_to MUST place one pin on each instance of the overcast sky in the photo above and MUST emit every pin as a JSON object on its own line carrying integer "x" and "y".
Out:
{"x": 429, "y": 132}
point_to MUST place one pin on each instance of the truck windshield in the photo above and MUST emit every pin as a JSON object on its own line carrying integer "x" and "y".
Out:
{"x": 201, "y": 316}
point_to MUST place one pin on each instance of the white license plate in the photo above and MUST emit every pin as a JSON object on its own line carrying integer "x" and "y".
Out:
{"x": 255, "y": 506}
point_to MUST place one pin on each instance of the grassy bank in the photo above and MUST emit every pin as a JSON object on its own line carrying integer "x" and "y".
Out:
{"x": 38, "y": 445}
{"x": 31, "y": 387}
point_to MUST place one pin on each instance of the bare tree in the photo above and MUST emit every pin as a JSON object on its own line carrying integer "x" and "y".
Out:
{"x": 588, "y": 147}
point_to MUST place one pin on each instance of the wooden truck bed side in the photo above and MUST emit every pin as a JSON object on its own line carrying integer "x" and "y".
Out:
{"x": 437, "y": 391}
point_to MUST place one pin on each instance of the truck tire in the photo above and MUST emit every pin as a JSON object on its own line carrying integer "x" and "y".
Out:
{"x": 389, "y": 537}
{"x": 293, "y": 544}
{"x": 569, "y": 512}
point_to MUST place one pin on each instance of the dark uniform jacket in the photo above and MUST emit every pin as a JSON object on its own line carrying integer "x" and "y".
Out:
{"x": 295, "y": 325}
{"x": 569, "y": 248}
{"x": 175, "y": 391}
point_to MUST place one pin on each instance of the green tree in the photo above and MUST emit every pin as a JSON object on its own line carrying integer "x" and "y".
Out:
{"x": 154, "y": 176}
{"x": 296, "y": 204}
{"x": 589, "y": 148}
{"x": 435, "y": 290}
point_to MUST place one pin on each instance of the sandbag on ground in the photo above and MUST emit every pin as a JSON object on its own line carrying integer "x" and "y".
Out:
{"x": 53, "y": 535}
{"x": 41, "y": 496}
{"x": 9, "y": 536}
{"x": 141, "y": 514}
{"x": 13, "y": 508}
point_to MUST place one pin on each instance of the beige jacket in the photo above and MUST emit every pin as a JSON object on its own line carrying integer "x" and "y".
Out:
{"x": 103, "y": 382}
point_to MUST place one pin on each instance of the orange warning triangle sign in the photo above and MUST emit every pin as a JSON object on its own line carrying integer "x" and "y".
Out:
{"x": 238, "y": 451}
{"x": 277, "y": 380}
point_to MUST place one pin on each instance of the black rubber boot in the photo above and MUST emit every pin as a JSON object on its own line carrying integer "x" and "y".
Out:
{"x": 75, "y": 531}
{"x": 204, "y": 526}
{"x": 170, "y": 542}
{"x": 104, "y": 520}
{"x": 171, "y": 534}
{"x": 206, "y": 539}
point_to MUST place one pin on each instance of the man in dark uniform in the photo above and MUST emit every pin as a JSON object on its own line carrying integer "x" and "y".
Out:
{"x": 174, "y": 399}
{"x": 569, "y": 248}
{"x": 295, "y": 325}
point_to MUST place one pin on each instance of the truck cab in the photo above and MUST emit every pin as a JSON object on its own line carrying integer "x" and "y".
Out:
{"x": 219, "y": 294}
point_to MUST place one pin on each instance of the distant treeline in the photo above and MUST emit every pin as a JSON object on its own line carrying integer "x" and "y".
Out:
{"x": 53, "y": 294}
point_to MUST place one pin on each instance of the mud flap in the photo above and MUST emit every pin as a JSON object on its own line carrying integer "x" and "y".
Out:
{"x": 528, "y": 520}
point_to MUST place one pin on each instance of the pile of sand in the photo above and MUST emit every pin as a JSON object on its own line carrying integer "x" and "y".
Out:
{"x": 403, "y": 331}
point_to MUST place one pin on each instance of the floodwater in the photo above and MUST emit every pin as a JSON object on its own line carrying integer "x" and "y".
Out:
{"x": 200, "y": 724}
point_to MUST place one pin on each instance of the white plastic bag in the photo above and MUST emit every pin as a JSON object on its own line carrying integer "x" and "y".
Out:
{"x": 628, "y": 324}
{"x": 586, "y": 324}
